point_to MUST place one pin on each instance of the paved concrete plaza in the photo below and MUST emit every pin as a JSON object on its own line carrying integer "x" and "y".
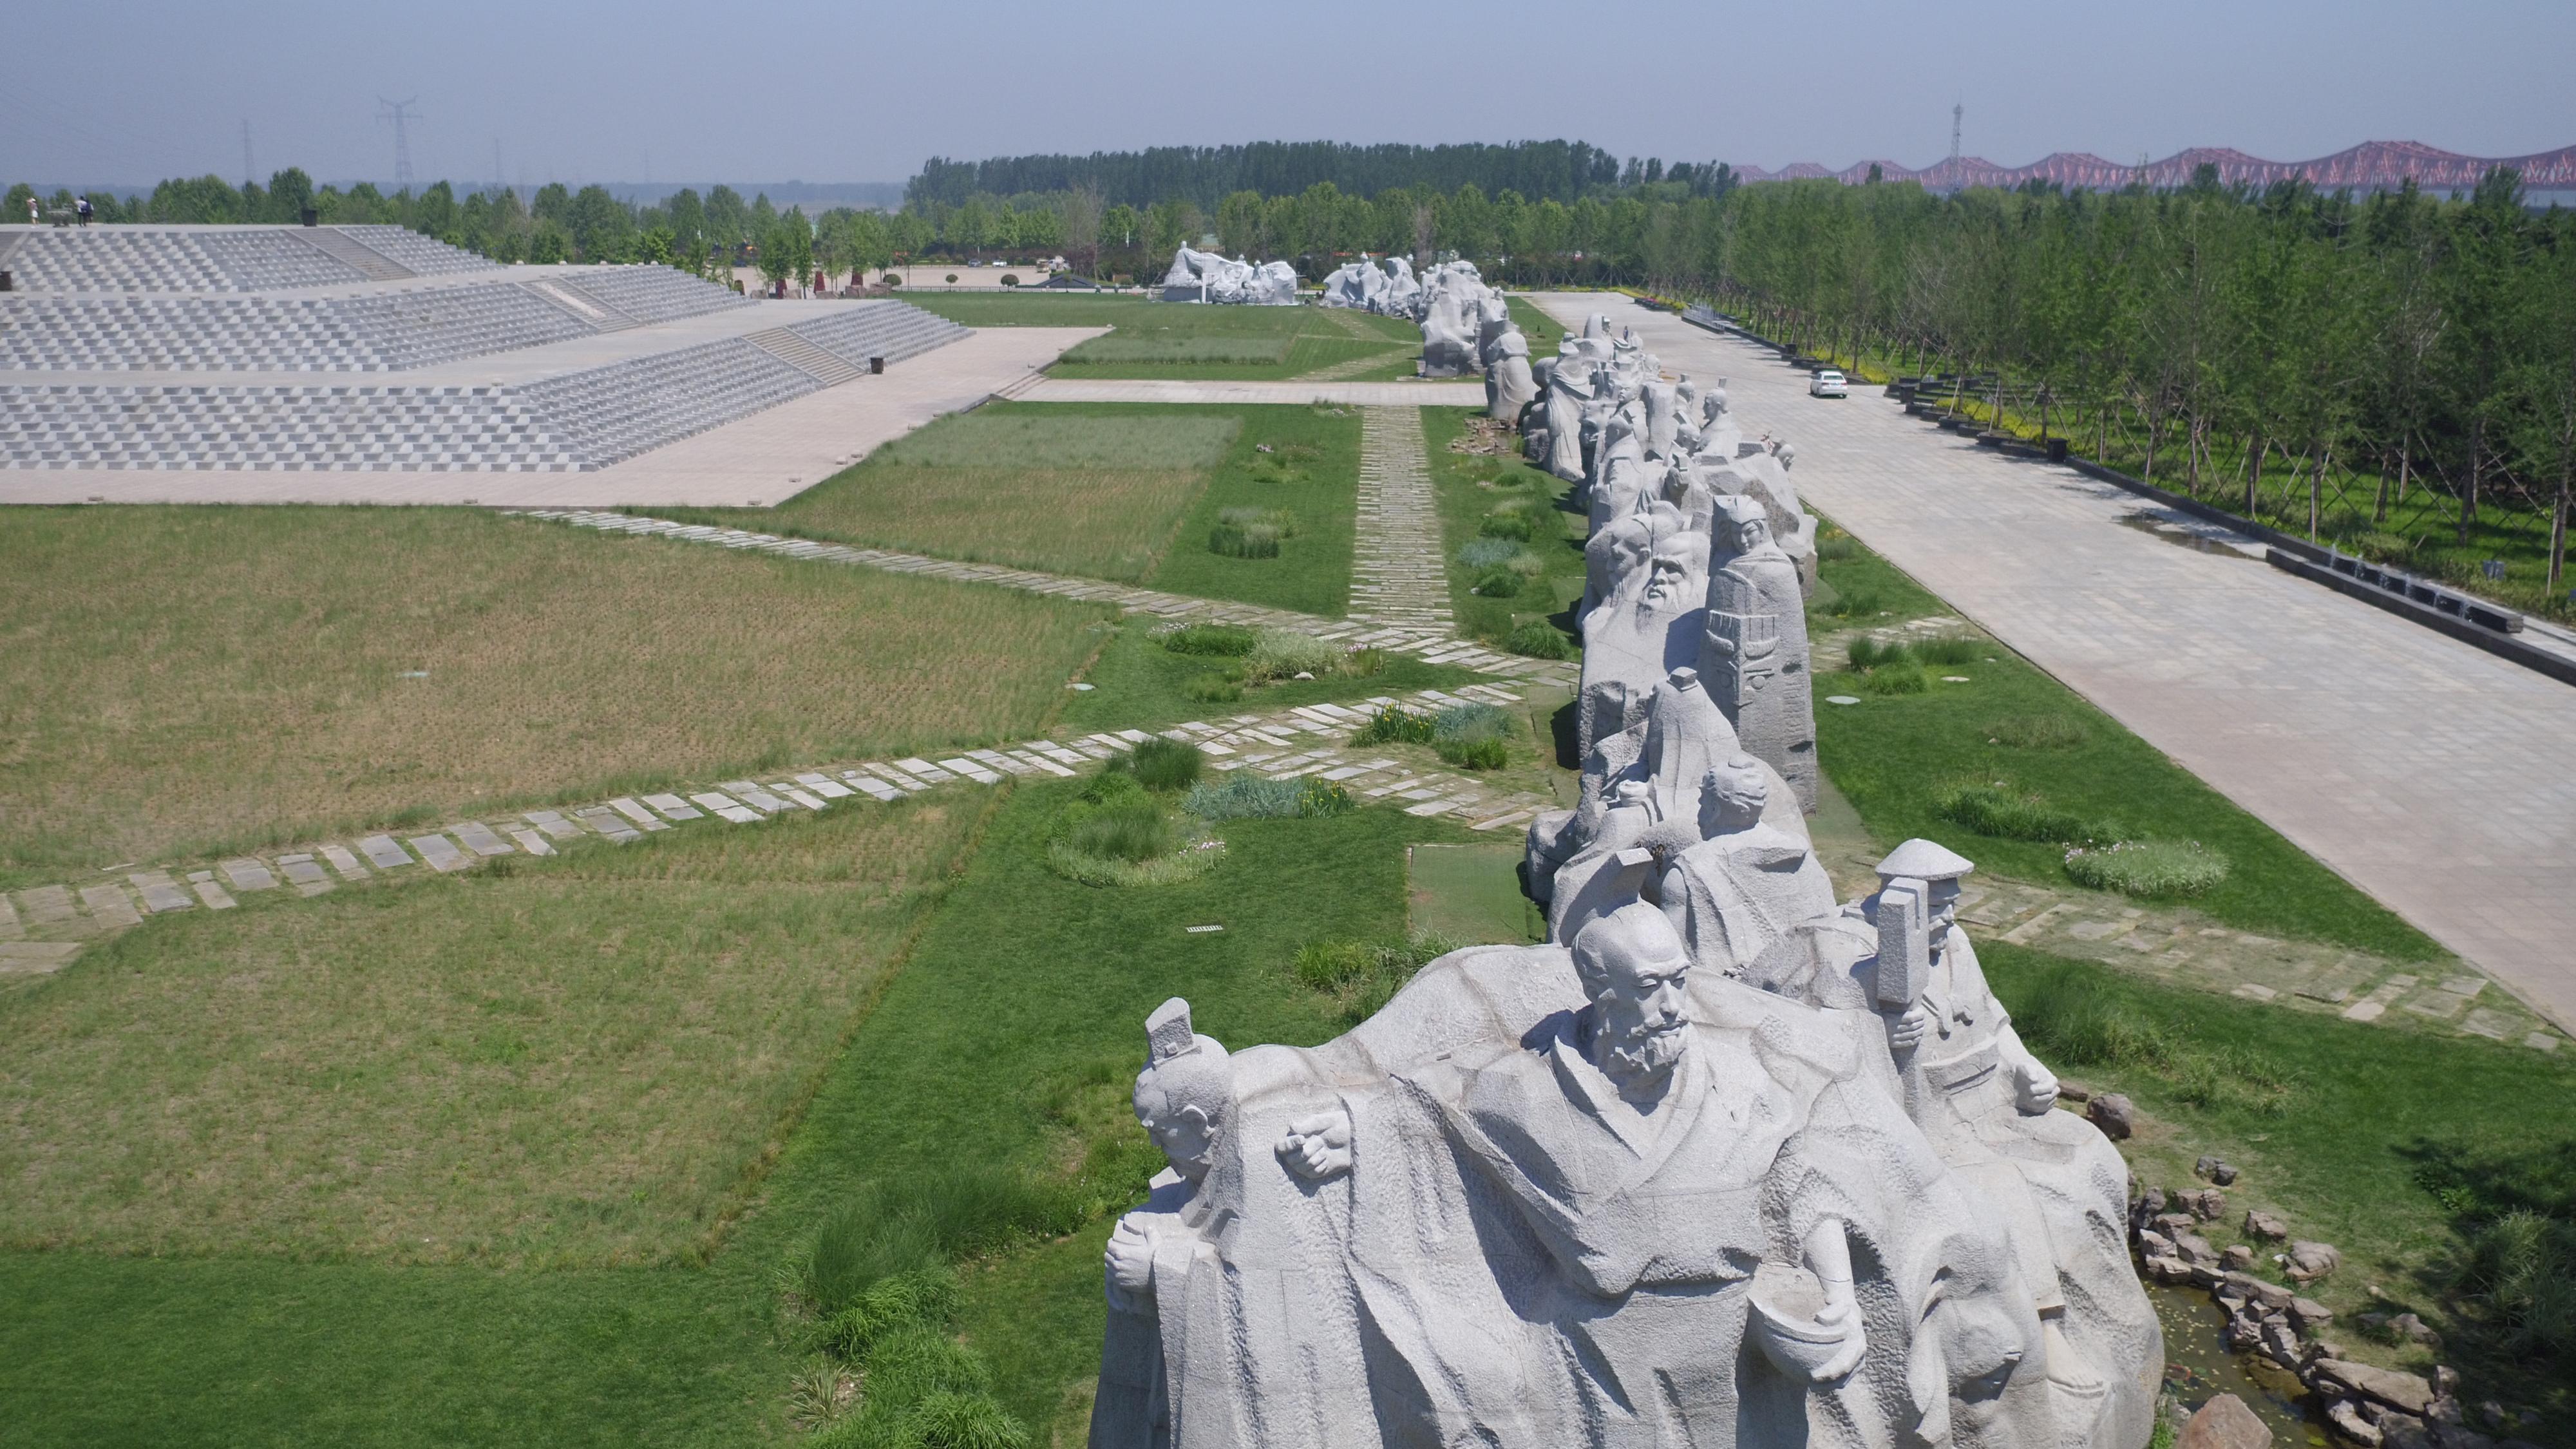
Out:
{"x": 760, "y": 459}
{"x": 1347, "y": 394}
{"x": 2436, "y": 777}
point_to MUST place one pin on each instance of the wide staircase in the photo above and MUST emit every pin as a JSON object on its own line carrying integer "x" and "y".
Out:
{"x": 612, "y": 413}
{"x": 891, "y": 330}
{"x": 650, "y": 293}
{"x": 356, "y": 255}
{"x": 783, "y": 344}
{"x": 600, "y": 316}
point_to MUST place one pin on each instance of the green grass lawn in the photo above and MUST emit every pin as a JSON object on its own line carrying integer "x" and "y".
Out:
{"x": 1474, "y": 488}
{"x": 1026, "y": 968}
{"x": 177, "y": 683}
{"x": 1185, "y": 340}
{"x": 1076, "y": 489}
{"x": 1311, "y": 473}
{"x": 1041, "y": 486}
{"x": 2332, "y": 1124}
{"x": 568, "y": 1061}
{"x": 1138, "y": 684}
{"x": 1894, "y": 754}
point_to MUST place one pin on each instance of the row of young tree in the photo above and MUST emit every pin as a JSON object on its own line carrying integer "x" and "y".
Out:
{"x": 2396, "y": 373}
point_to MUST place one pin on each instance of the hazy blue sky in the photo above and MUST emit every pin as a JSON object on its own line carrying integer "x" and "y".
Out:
{"x": 126, "y": 91}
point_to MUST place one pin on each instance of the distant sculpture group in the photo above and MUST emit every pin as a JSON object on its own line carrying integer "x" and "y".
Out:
{"x": 1198, "y": 276}
{"x": 1726, "y": 1162}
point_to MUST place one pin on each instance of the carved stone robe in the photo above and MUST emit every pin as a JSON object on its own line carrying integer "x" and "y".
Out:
{"x": 1755, "y": 663}
{"x": 1730, "y": 896}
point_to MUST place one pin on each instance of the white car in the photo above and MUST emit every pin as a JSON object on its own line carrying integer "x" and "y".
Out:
{"x": 1825, "y": 382}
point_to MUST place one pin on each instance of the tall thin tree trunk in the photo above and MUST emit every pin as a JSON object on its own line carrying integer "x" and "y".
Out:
{"x": 2316, "y": 480}
{"x": 2405, "y": 462}
{"x": 2558, "y": 523}
{"x": 2469, "y": 494}
{"x": 2191, "y": 458}
{"x": 2254, "y": 474}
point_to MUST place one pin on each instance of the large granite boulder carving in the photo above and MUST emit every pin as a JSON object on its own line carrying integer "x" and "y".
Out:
{"x": 1755, "y": 658}
{"x": 1198, "y": 276}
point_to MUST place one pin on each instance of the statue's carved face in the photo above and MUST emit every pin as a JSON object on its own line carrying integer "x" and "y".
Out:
{"x": 1670, "y": 583}
{"x": 1639, "y": 1027}
{"x": 1186, "y": 1135}
{"x": 1944, "y": 905}
{"x": 1752, "y": 533}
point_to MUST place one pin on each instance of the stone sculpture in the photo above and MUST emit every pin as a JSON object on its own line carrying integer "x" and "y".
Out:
{"x": 1453, "y": 311}
{"x": 1585, "y": 1195}
{"x": 1385, "y": 286}
{"x": 1198, "y": 276}
{"x": 1747, "y": 883}
{"x": 1755, "y": 658}
{"x": 1650, "y": 623}
{"x": 1509, "y": 387}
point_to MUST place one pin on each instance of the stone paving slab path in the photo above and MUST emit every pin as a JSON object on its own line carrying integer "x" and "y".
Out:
{"x": 2437, "y": 778}
{"x": 1399, "y": 569}
{"x": 1429, "y": 638}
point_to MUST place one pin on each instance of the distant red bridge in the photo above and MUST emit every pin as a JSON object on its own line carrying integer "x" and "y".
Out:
{"x": 2373, "y": 165}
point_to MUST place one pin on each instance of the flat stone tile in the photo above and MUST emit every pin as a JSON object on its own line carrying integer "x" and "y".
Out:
{"x": 824, "y": 785}
{"x": 478, "y": 837}
{"x": 301, "y": 873}
{"x": 383, "y": 852}
{"x": 674, "y": 807}
{"x": 971, "y": 771}
{"x": 632, "y": 811}
{"x": 553, "y": 824}
{"x": 247, "y": 874}
{"x": 36, "y": 958}
{"x": 922, "y": 769}
{"x": 109, "y": 905}
{"x": 877, "y": 788}
{"x": 47, "y": 905}
{"x": 160, "y": 892}
{"x": 755, "y": 797}
{"x": 532, "y": 841}
{"x": 801, "y": 796}
{"x": 343, "y": 862}
{"x": 608, "y": 823}
{"x": 10, "y": 930}
{"x": 440, "y": 852}
{"x": 213, "y": 895}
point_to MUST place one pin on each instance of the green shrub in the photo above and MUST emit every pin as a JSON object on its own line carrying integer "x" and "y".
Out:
{"x": 1363, "y": 976}
{"x": 1858, "y": 604}
{"x": 863, "y": 1243}
{"x": 1896, "y": 679}
{"x": 1475, "y": 754}
{"x": 1538, "y": 639}
{"x": 1486, "y": 553}
{"x": 2038, "y": 731}
{"x": 1395, "y": 725}
{"x": 1134, "y": 831}
{"x": 1280, "y": 521}
{"x": 1246, "y": 797}
{"x": 2148, "y": 867}
{"x": 1496, "y": 583}
{"x": 1997, "y": 811}
{"x": 1508, "y": 523}
{"x": 1362, "y": 663}
{"x": 1324, "y": 798}
{"x": 1230, "y": 541}
{"x": 2523, "y": 1265}
{"x": 1113, "y": 784}
{"x": 1166, "y": 765}
{"x": 1950, "y": 650}
{"x": 925, "y": 1297}
{"x": 964, "y": 1421}
{"x": 1221, "y": 639}
{"x": 1835, "y": 547}
{"x": 1865, "y": 653}
{"x": 1285, "y": 654}
{"x": 1212, "y": 688}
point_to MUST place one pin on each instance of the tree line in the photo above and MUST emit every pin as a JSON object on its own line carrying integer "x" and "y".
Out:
{"x": 2395, "y": 373}
{"x": 1203, "y": 176}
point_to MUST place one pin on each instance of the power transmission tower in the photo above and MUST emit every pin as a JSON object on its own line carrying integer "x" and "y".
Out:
{"x": 1958, "y": 114}
{"x": 250, "y": 173}
{"x": 402, "y": 115}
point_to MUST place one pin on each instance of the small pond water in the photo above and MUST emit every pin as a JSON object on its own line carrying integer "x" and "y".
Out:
{"x": 2199, "y": 1368}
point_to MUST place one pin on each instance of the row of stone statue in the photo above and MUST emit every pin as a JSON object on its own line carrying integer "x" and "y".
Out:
{"x": 1724, "y": 1163}
{"x": 1198, "y": 276}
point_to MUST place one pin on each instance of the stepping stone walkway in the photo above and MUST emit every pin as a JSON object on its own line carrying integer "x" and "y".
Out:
{"x": 1429, "y": 639}
{"x": 42, "y": 928}
{"x": 1399, "y": 566}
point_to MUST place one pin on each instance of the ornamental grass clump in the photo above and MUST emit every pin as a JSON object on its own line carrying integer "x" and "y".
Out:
{"x": 1865, "y": 653}
{"x": 1212, "y": 688}
{"x": 1906, "y": 678}
{"x": 1362, "y": 976}
{"x": 1508, "y": 522}
{"x": 1166, "y": 765}
{"x": 1250, "y": 797}
{"x": 1539, "y": 639}
{"x": 2148, "y": 867}
{"x": 1396, "y": 725}
{"x": 1496, "y": 583}
{"x": 1486, "y": 553}
{"x": 1998, "y": 810}
{"x": 1473, "y": 736}
{"x": 1949, "y": 649}
{"x": 1221, "y": 640}
{"x": 1285, "y": 654}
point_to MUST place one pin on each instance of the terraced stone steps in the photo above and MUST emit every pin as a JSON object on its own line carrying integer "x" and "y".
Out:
{"x": 352, "y": 253}
{"x": 785, "y": 345}
{"x": 600, "y": 316}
